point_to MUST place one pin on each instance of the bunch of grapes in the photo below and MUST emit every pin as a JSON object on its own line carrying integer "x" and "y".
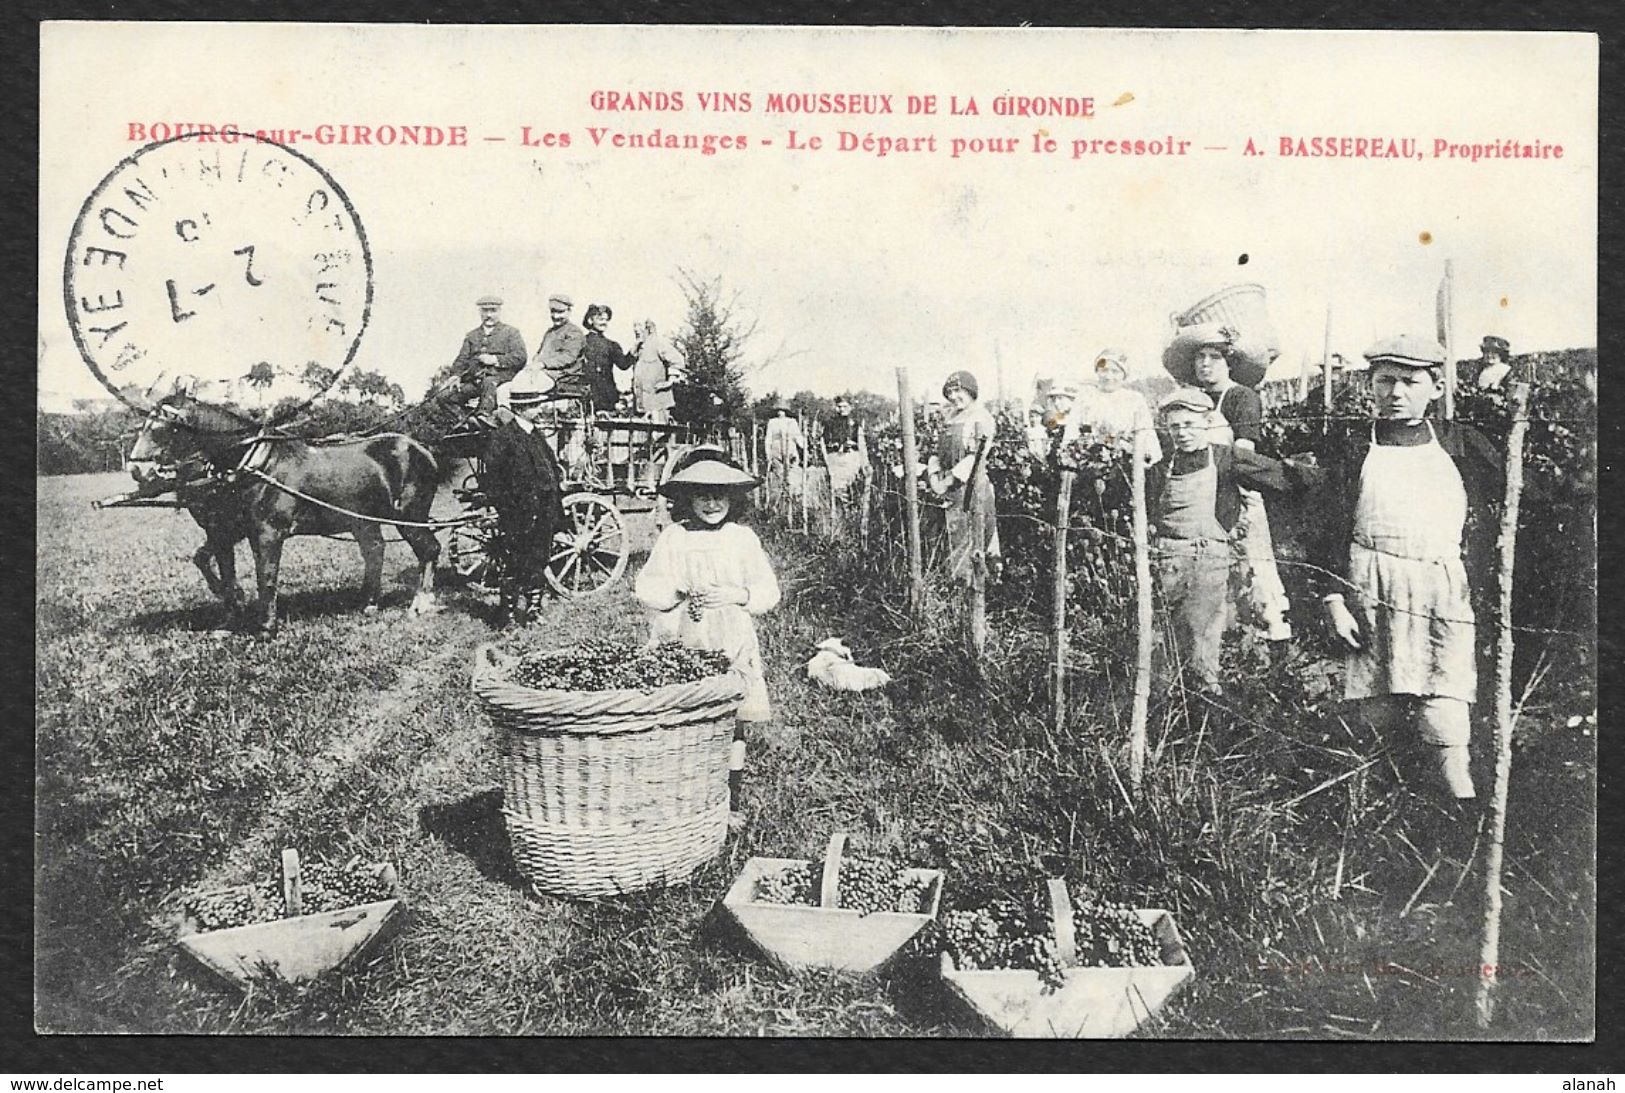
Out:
{"x": 238, "y": 906}
{"x": 602, "y": 665}
{"x": 791, "y": 884}
{"x": 865, "y": 886}
{"x": 1003, "y": 934}
{"x": 322, "y": 887}
{"x": 1007, "y": 934}
{"x": 1110, "y": 935}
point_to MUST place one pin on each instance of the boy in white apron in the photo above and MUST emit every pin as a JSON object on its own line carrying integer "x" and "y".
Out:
{"x": 1400, "y": 604}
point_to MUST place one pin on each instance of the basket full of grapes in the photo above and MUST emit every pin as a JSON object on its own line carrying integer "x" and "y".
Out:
{"x": 315, "y": 917}
{"x": 614, "y": 761}
{"x": 850, "y": 914}
{"x": 1075, "y": 968}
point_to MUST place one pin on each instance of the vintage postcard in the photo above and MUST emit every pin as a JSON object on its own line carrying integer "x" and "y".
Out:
{"x": 816, "y": 532}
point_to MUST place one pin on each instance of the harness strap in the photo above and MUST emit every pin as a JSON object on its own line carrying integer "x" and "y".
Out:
{"x": 433, "y": 525}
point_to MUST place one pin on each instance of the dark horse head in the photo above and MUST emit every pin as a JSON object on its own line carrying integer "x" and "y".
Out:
{"x": 181, "y": 437}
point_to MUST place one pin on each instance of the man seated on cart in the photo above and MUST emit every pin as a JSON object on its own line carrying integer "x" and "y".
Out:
{"x": 491, "y": 354}
{"x": 523, "y": 479}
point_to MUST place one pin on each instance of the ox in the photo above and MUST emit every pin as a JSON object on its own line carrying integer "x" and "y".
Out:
{"x": 350, "y": 485}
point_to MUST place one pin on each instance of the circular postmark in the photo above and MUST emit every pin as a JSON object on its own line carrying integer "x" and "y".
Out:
{"x": 240, "y": 269}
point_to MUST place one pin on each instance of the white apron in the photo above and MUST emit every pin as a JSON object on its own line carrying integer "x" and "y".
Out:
{"x": 1266, "y": 592}
{"x": 1411, "y": 595}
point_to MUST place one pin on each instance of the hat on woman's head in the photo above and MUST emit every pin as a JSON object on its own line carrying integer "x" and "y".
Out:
{"x": 963, "y": 380}
{"x": 1246, "y": 368}
{"x": 598, "y": 309}
{"x": 707, "y": 468}
{"x": 1493, "y": 343}
{"x": 1112, "y": 358}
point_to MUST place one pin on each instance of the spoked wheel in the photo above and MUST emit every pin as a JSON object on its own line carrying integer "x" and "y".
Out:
{"x": 470, "y": 550}
{"x": 589, "y": 554}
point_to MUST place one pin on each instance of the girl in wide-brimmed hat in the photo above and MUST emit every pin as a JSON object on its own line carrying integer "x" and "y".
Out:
{"x": 707, "y": 577}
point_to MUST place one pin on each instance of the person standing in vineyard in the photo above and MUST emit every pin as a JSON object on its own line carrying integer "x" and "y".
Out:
{"x": 786, "y": 448}
{"x": 1497, "y": 356}
{"x": 1116, "y": 412}
{"x": 957, "y": 473}
{"x": 1214, "y": 358}
{"x": 708, "y": 577}
{"x": 1399, "y": 493}
{"x": 842, "y": 439}
{"x": 1193, "y": 500}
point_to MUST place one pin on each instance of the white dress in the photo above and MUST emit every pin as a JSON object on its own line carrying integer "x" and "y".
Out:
{"x": 684, "y": 560}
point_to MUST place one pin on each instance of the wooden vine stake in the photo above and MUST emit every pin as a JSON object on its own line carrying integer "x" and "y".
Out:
{"x": 1489, "y": 953}
{"x": 978, "y": 580}
{"x": 911, "y": 495}
{"x": 1142, "y": 600}
{"x": 1063, "y": 514}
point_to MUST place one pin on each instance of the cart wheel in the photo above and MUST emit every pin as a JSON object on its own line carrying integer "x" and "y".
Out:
{"x": 470, "y": 550}
{"x": 589, "y": 555}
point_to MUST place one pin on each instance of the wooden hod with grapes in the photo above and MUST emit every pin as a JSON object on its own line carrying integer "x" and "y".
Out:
{"x": 321, "y": 917}
{"x": 851, "y": 915}
{"x": 1100, "y": 971}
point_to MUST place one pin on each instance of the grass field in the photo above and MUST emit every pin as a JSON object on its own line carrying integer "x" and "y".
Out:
{"x": 171, "y": 757}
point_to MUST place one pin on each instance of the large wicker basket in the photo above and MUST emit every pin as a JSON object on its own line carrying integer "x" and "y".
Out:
{"x": 611, "y": 791}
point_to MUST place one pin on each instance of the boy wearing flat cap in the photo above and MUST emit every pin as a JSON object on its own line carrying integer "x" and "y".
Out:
{"x": 1398, "y": 493}
{"x": 1194, "y": 499}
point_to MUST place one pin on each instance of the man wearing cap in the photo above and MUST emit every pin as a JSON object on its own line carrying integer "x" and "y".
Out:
{"x": 560, "y": 352}
{"x": 1399, "y": 491}
{"x": 521, "y": 476}
{"x": 1497, "y": 354}
{"x": 491, "y": 354}
{"x": 1216, "y": 359}
{"x": 1118, "y": 413}
{"x": 1194, "y": 500}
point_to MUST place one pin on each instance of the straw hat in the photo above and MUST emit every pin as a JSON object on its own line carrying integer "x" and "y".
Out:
{"x": 708, "y": 470}
{"x": 1247, "y": 363}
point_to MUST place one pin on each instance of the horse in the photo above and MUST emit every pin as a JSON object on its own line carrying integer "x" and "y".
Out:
{"x": 285, "y": 486}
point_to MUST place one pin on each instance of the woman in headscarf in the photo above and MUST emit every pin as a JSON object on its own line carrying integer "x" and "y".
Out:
{"x": 957, "y": 472}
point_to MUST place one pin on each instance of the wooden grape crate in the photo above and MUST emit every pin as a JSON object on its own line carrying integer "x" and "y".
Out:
{"x": 299, "y": 948}
{"x": 1092, "y": 1004}
{"x": 825, "y": 936}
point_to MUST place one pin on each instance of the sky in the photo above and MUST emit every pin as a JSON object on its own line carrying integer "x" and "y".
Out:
{"x": 1019, "y": 263}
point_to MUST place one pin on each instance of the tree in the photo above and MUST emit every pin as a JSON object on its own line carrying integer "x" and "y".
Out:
{"x": 712, "y": 343}
{"x": 317, "y": 377}
{"x": 260, "y": 378}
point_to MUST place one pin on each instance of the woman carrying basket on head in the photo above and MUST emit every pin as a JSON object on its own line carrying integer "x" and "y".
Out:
{"x": 707, "y": 578}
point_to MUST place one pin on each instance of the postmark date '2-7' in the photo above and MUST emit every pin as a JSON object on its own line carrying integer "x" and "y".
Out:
{"x": 214, "y": 264}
